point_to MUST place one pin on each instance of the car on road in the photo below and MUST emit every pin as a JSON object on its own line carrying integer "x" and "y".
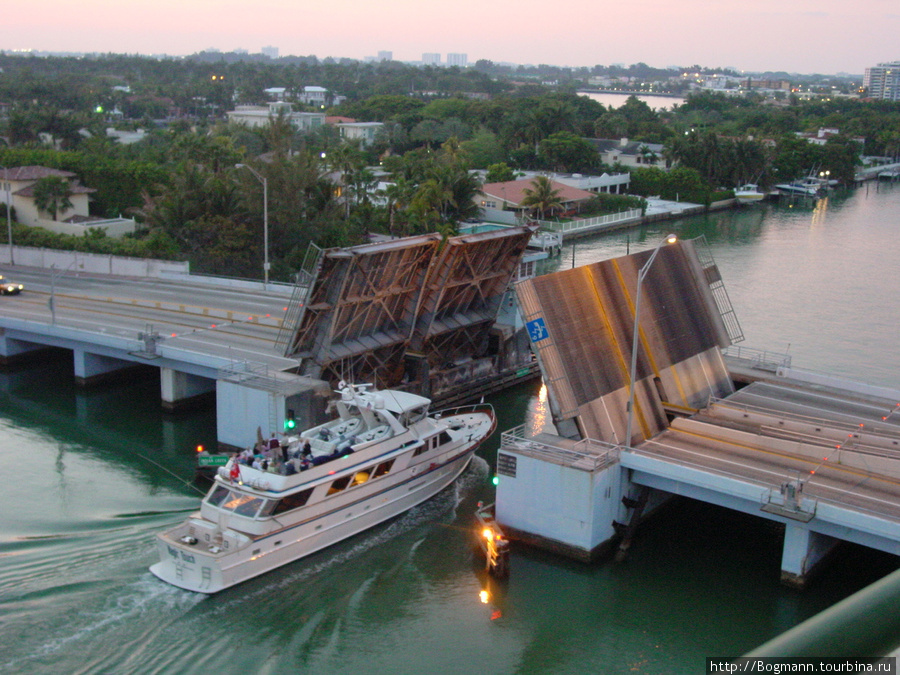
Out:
{"x": 9, "y": 287}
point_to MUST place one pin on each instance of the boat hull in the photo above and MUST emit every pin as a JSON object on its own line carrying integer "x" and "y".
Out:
{"x": 195, "y": 570}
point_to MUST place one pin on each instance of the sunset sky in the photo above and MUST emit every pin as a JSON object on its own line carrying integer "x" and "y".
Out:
{"x": 801, "y": 36}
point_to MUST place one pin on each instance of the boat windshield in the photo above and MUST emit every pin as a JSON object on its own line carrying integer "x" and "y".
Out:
{"x": 240, "y": 503}
{"x": 412, "y": 416}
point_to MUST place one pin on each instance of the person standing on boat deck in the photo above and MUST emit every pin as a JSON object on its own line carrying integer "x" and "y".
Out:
{"x": 307, "y": 449}
{"x": 284, "y": 452}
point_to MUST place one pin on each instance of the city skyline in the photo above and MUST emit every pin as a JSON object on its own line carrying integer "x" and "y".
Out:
{"x": 803, "y": 37}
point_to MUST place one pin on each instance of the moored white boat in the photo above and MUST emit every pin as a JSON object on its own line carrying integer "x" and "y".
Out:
{"x": 383, "y": 455}
{"x": 748, "y": 194}
{"x": 809, "y": 187}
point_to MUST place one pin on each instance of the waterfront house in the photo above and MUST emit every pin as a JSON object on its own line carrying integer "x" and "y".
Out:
{"x": 629, "y": 153}
{"x": 509, "y": 195}
{"x": 18, "y": 185}
{"x": 260, "y": 116}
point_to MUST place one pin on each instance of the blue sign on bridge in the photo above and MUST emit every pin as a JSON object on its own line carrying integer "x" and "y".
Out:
{"x": 537, "y": 329}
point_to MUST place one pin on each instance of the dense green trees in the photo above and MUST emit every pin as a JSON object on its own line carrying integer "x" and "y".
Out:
{"x": 439, "y": 123}
{"x": 432, "y": 191}
{"x": 565, "y": 152}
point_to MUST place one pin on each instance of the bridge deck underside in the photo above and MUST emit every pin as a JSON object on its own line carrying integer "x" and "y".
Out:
{"x": 371, "y": 305}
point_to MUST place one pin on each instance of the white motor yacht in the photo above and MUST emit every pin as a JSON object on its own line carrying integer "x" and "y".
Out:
{"x": 383, "y": 455}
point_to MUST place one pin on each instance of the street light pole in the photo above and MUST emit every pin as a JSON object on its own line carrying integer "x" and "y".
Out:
{"x": 670, "y": 239}
{"x": 8, "y": 217}
{"x": 265, "y": 183}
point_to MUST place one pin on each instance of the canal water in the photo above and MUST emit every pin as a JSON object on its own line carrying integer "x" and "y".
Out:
{"x": 88, "y": 478}
{"x": 613, "y": 100}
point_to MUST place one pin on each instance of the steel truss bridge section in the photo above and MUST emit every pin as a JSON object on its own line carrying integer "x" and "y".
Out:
{"x": 370, "y": 307}
{"x": 465, "y": 286}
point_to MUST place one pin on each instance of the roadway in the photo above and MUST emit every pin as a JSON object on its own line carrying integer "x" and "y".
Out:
{"x": 237, "y": 323}
{"x": 840, "y": 450}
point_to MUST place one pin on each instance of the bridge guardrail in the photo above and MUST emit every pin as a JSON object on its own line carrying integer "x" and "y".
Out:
{"x": 588, "y": 453}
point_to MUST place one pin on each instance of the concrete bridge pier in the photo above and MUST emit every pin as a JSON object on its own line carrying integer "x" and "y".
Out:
{"x": 14, "y": 351}
{"x": 276, "y": 404}
{"x": 803, "y": 551}
{"x": 179, "y": 389}
{"x": 91, "y": 369}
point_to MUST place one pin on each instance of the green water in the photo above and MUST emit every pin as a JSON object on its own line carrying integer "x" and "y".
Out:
{"x": 84, "y": 492}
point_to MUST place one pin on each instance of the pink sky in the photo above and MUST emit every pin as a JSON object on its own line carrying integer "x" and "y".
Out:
{"x": 797, "y": 36}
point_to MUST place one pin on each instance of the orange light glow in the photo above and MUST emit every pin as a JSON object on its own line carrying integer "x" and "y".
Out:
{"x": 487, "y": 533}
{"x": 199, "y": 448}
{"x": 484, "y": 596}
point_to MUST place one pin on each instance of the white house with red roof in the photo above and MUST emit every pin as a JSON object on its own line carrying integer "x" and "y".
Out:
{"x": 509, "y": 195}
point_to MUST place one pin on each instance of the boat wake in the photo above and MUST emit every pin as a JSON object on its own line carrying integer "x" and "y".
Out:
{"x": 126, "y": 607}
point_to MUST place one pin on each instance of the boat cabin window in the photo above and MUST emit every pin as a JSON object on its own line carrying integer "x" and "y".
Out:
{"x": 240, "y": 503}
{"x": 340, "y": 484}
{"x": 441, "y": 439}
{"x": 291, "y": 502}
{"x": 217, "y": 496}
{"x": 382, "y": 468}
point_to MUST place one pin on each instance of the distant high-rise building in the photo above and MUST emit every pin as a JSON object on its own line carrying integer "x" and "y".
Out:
{"x": 883, "y": 81}
{"x": 461, "y": 60}
{"x": 271, "y": 52}
{"x": 385, "y": 56}
{"x": 431, "y": 59}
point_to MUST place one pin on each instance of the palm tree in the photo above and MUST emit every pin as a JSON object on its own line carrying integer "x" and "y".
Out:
{"x": 647, "y": 155}
{"x": 51, "y": 194}
{"x": 542, "y": 197}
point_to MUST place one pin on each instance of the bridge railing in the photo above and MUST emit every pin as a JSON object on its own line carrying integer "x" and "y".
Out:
{"x": 759, "y": 358}
{"x": 589, "y": 454}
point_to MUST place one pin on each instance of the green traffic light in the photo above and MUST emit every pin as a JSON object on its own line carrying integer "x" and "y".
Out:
{"x": 290, "y": 424}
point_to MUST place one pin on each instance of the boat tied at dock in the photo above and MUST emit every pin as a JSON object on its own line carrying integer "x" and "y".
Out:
{"x": 287, "y": 498}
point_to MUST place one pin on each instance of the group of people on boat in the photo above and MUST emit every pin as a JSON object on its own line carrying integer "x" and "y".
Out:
{"x": 287, "y": 457}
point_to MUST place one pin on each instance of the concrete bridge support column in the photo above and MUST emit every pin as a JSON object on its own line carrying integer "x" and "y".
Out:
{"x": 180, "y": 390}
{"x": 91, "y": 369}
{"x": 803, "y": 551}
{"x": 13, "y": 351}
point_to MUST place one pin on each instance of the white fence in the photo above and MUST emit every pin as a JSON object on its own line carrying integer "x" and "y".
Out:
{"x": 112, "y": 227}
{"x": 92, "y": 262}
{"x": 595, "y": 223}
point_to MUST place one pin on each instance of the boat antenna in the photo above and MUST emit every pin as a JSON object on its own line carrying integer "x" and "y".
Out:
{"x": 172, "y": 473}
